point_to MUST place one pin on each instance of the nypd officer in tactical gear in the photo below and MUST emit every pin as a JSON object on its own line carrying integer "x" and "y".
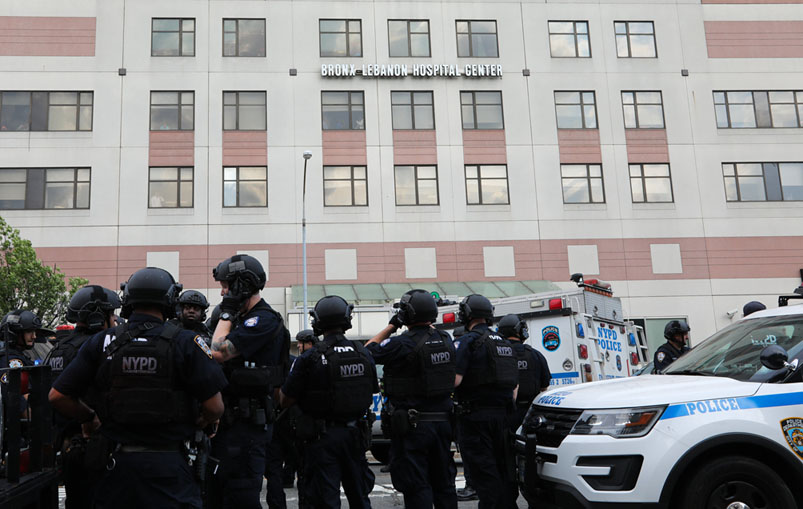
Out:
{"x": 192, "y": 306}
{"x": 676, "y": 333}
{"x": 91, "y": 309}
{"x": 252, "y": 343}
{"x": 333, "y": 384}
{"x": 148, "y": 379}
{"x": 534, "y": 375}
{"x": 18, "y": 331}
{"x": 418, "y": 382}
{"x": 486, "y": 381}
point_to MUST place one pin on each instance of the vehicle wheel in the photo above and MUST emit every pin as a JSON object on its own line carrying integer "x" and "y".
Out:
{"x": 726, "y": 482}
{"x": 381, "y": 452}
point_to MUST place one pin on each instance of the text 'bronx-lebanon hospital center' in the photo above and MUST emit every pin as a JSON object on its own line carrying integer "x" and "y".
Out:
{"x": 502, "y": 144}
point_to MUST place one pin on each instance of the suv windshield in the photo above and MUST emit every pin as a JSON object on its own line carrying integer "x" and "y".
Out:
{"x": 735, "y": 351}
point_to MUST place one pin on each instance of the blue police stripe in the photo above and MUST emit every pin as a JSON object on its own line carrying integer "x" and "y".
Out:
{"x": 571, "y": 374}
{"x": 745, "y": 403}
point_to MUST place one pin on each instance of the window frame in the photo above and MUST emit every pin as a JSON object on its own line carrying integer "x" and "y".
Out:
{"x": 347, "y": 33}
{"x": 574, "y": 33}
{"x": 797, "y": 104}
{"x": 237, "y": 109}
{"x": 412, "y": 106}
{"x": 78, "y": 105}
{"x": 180, "y": 32}
{"x": 470, "y": 41}
{"x": 636, "y": 107}
{"x": 763, "y": 175}
{"x": 416, "y": 179}
{"x": 351, "y": 180}
{"x": 237, "y": 188}
{"x": 582, "y": 105}
{"x": 409, "y": 39}
{"x": 350, "y": 108}
{"x": 237, "y": 37}
{"x": 643, "y": 179}
{"x": 179, "y": 106}
{"x": 474, "y": 108}
{"x": 43, "y": 195}
{"x": 627, "y": 35}
{"x": 479, "y": 183}
{"x": 178, "y": 182}
{"x": 588, "y": 179}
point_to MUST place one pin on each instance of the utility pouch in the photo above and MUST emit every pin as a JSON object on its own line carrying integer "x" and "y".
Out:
{"x": 251, "y": 382}
{"x": 400, "y": 422}
{"x": 97, "y": 451}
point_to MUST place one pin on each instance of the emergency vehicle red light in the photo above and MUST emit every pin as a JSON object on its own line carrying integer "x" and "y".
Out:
{"x": 582, "y": 351}
{"x": 555, "y": 304}
{"x": 633, "y": 358}
{"x": 448, "y": 318}
{"x": 65, "y": 326}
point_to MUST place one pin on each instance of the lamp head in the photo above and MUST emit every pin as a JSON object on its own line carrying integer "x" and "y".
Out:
{"x": 307, "y": 154}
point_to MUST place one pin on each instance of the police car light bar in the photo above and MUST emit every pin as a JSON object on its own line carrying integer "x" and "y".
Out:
{"x": 449, "y": 318}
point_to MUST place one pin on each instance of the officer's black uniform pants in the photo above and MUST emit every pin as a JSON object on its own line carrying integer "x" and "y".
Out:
{"x": 485, "y": 448}
{"x": 337, "y": 457}
{"x": 274, "y": 489}
{"x": 240, "y": 448}
{"x": 422, "y": 466}
{"x": 148, "y": 480}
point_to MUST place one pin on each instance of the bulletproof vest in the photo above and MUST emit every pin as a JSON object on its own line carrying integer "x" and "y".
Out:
{"x": 528, "y": 379}
{"x": 65, "y": 352}
{"x": 137, "y": 380}
{"x": 350, "y": 390}
{"x": 501, "y": 370}
{"x": 427, "y": 372}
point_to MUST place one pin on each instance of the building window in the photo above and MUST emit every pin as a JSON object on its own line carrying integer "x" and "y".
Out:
{"x": 408, "y": 37}
{"x": 343, "y": 111}
{"x": 244, "y": 37}
{"x": 345, "y": 186}
{"x": 746, "y": 109}
{"x": 763, "y": 181}
{"x": 46, "y": 111}
{"x": 169, "y": 188}
{"x": 486, "y": 184}
{"x": 651, "y": 183}
{"x": 643, "y": 110}
{"x": 482, "y": 110}
{"x": 244, "y": 111}
{"x": 416, "y": 185}
{"x": 576, "y": 110}
{"x": 44, "y": 188}
{"x": 245, "y": 186}
{"x": 172, "y": 111}
{"x": 173, "y": 37}
{"x": 340, "y": 37}
{"x": 582, "y": 183}
{"x": 477, "y": 39}
{"x": 412, "y": 110}
{"x": 635, "y": 39}
{"x": 569, "y": 39}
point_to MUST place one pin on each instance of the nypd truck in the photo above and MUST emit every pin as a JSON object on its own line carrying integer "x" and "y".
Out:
{"x": 722, "y": 427}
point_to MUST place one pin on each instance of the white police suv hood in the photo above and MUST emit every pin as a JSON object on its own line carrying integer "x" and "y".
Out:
{"x": 645, "y": 390}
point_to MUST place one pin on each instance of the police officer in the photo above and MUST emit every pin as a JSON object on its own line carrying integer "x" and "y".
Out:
{"x": 486, "y": 381}
{"x": 467, "y": 492}
{"x": 91, "y": 309}
{"x": 752, "y": 307}
{"x": 148, "y": 379}
{"x": 252, "y": 343}
{"x": 418, "y": 381}
{"x": 676, "y": 333}
{"x": 333, "y": 384}
{"x": 18, "y": 331}
{"x": 192, "y": 306}
{"x": 534, "y": 375}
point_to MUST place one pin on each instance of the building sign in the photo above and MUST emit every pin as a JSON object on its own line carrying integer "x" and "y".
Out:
{"x": 415, "y": 70}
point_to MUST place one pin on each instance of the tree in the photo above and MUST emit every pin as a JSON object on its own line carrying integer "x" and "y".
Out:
{"x": 27, "y": 283}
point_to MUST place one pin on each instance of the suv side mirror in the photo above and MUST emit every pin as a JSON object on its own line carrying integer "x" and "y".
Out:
{"x": 774, "y": 357}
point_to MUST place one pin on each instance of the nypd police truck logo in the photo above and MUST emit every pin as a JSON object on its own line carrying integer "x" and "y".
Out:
{"x": 793, "y": 433}
{"x": 550, "y": 335}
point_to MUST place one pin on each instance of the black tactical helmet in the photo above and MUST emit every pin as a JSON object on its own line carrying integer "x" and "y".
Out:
{"x": 458, "y": 331}
{"x": 243, "y": 273}
{"x": 92, "y": 305}
{"x": 16, "y": 322}
{"x": 512, "y": 326}
{"x": 475, "y": 306}
{"x": 674, "y": 328}
{"x": 153, "y": 287}
{"x": 195, "y": 298}
{"x": 417, "y": 306}
{"x": 307, "y": 336}
{"x": 331, "y": 312}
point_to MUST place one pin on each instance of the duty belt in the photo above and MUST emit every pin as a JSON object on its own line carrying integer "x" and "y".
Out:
{"x": 128, "y": 448}
{"x": 416, "y": 416}
{"x": 342, "y": 424}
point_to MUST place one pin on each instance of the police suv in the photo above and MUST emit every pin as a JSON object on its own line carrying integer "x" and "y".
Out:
{"x": 721, "y": 428}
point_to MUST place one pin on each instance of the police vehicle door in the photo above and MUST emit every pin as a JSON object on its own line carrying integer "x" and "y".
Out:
{"x": 554, "y": 337}
{"x": 609, "y": 343}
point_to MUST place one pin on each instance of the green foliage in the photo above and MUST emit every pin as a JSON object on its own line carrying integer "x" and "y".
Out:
{"x": 25, "y": 282}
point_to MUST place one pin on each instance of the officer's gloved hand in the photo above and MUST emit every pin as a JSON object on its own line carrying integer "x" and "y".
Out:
{"x": 396, "y": 321}
{"x": 231, "y": 304}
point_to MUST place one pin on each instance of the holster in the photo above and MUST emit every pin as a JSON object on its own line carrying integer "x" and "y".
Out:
{"x": 308, "y": 428}
{"x": 462, "y": 408}
{"x": 97, "y": 451}
{"x": 400, "y": 420}
{"x": 386, "y": 423}
{"x": 366, "y": 425}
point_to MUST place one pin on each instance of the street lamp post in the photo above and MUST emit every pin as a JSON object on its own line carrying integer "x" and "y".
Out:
{"x": 307, "y": 156}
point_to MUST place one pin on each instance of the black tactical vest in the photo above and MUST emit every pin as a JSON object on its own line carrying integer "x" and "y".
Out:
{"x": 427, "y": 372}
{"x": 528, "y": 381}
{"x": 137, "y": 380}
{"x": 501, "y": 370}
{"x": 351, "y": 382}
{"x": 65, "y": 352}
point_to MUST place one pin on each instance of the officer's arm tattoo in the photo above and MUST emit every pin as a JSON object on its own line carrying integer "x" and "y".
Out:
{"x": 225, "y": 349}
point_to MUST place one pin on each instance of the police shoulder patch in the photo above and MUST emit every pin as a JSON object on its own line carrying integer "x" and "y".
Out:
{"x": 251, "y": 322}
{"x": 456, "y": 345}
{"x": 385, "y": 342}
{"x": 15, "y": 363}
{"x": 203, "y": 346}
{"x": 660, "y": 356}
{"x": 4, "y": 378}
